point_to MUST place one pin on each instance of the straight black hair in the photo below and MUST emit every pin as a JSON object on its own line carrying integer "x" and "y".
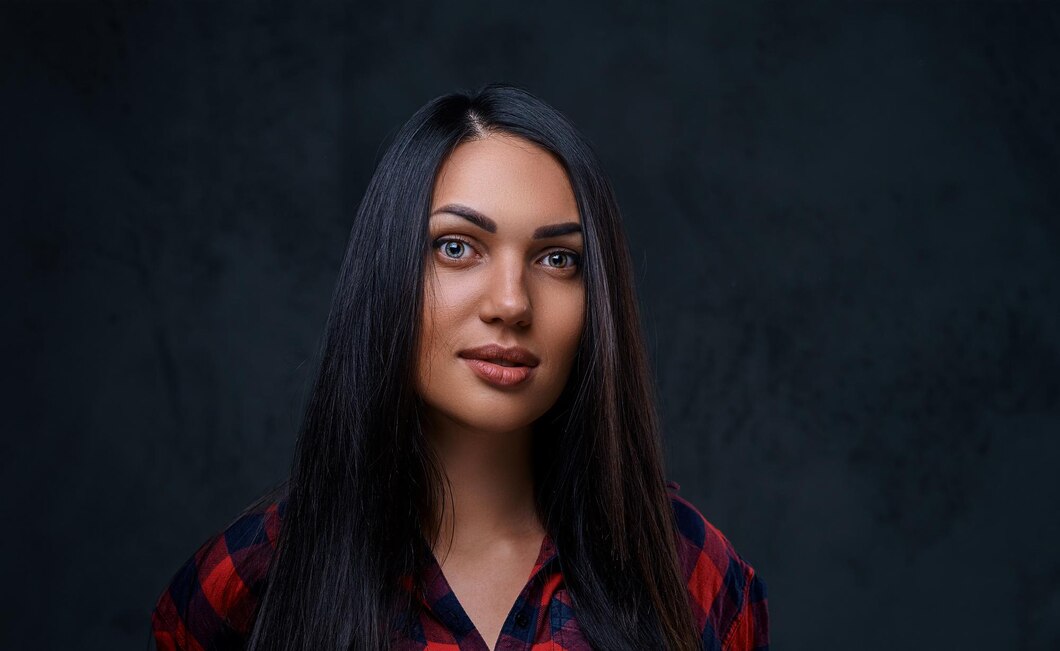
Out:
{"x": 365, "y": 484}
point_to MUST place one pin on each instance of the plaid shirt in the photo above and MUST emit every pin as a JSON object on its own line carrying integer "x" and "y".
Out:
{"x": 211, "y": 601}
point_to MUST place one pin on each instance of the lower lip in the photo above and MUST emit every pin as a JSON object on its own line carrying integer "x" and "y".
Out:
{"x": 497, "y": 375}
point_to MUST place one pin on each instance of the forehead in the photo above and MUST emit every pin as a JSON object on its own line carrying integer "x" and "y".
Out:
{"x": 508, "y": 178}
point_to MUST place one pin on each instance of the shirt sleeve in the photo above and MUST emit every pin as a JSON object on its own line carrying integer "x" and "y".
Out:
{"x": 211, "y": 601}
{"x": 727, "y": 596}
{"x": 750, "y": 629}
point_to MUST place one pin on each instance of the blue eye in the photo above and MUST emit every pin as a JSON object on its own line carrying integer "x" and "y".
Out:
{"x": 451, "y": 248}
{"x": 571, "y": 257}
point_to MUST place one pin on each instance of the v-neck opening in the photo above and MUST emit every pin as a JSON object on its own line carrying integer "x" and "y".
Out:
{"x": 442, "y": 600}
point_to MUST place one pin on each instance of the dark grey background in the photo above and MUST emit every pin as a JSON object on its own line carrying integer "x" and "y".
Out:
{"x": 845, "y": 224}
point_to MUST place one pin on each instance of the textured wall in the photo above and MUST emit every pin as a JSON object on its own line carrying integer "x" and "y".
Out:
{"x": 845, "y": 224}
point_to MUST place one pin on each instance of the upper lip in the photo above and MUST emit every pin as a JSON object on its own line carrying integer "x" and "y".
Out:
{"x": 515, "y": 354}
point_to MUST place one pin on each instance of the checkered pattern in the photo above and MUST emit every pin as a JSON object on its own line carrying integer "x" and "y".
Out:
{"x": 210, "y": 603}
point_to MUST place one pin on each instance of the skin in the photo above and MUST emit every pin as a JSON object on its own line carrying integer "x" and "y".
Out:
{"x": 508, "y": 288}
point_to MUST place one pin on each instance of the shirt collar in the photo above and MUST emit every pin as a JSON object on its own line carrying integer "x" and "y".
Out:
{"x": 438, "y": 590}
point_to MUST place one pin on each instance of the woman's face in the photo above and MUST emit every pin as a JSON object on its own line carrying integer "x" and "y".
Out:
{"x": 504, "y": 268}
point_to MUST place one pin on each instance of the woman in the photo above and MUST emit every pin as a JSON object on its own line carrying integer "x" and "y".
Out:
{"x": 479, "y": 465}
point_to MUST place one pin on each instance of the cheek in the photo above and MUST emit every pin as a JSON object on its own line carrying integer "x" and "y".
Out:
{"x": 444, "y": 307}
{"x": 428, "y": 335}
{"x": 567, "y": 326}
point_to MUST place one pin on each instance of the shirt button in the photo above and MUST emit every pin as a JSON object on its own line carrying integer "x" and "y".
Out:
{"x": 521, "y": 620}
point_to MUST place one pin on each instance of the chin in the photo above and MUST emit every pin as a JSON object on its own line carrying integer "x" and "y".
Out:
{"x": 488, "y": 413}
{"x": 465, "y": 400}
{"x": 489, "y": 418}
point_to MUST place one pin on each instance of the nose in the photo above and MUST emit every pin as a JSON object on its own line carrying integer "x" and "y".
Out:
{"x": 506, "y": 297}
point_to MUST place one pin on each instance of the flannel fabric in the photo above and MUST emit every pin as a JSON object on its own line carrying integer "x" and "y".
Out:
{"x": 210, "y": 603}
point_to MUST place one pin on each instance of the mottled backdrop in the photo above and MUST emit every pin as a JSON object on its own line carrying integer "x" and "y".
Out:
{"x": 844, "y": 219}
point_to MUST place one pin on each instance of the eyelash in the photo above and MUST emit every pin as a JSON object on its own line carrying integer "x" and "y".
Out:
{"x": 576, "y": 260}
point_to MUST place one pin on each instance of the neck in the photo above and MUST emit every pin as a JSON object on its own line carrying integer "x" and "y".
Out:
{"x": 491, "y": 487}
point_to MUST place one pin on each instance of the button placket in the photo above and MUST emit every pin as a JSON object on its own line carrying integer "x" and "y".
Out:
{"x": 522, "y": 619}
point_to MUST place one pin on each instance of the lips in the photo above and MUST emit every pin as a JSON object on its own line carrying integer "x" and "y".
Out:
{"x": 500, "y": 355}
{"x": 499, "y": 366}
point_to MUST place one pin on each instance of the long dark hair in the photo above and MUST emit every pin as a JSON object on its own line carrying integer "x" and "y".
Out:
{"x": 365, "y": 484}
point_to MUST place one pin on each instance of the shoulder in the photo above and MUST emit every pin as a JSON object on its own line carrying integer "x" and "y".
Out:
{"x": 727, "y": 594}
{"x": 211, "y": 600}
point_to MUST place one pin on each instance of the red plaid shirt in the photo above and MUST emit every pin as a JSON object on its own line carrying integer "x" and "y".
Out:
{"x": 211, "y": 601}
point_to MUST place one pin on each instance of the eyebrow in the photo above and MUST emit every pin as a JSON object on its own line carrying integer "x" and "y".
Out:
{"x": 490, "y": 226}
